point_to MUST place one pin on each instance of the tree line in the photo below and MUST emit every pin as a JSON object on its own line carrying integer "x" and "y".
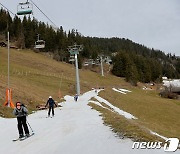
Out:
{"x": 133, "y": 61}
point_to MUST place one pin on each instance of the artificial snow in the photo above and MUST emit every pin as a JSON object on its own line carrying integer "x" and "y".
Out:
{"x": 75, "y": 129}
{"x": 125, "y": 90}
{"x": 121, "y": 112}
{"x": 119, "y": 91}
{"x": 154, "y": 133}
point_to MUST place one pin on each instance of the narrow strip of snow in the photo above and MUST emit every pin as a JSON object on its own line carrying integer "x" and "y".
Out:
{"x": 99, "y": 104}
{"x": 118, "y": 91}
{"x": 124, "y": 90}
{"x": 95, "y": 102}
{"x": 154, "y": 133}
{"x": 121, "y": 112}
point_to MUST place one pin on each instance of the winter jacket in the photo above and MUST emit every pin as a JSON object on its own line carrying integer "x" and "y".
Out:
{"x": 76, "y": 97}
{"x": 51, "y": 102}
{"x": 20, "y": 112}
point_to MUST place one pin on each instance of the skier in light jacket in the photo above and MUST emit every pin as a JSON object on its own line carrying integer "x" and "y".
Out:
{"x": 21, "y": 112}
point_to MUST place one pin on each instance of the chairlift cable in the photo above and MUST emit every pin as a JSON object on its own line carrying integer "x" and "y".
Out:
{"x": 44, "y": 14}
{"x": 7, "y": 9}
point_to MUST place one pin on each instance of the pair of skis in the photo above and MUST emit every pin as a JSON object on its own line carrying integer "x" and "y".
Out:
{"x": 23, "y": 138}
{"x": 49, "y": 116}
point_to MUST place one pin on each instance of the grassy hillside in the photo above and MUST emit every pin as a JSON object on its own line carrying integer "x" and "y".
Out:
{"x": 35, "y": 76}
{"x": 153, "y": 112}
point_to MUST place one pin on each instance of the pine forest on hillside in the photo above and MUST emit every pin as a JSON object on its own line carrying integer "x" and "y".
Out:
{"x": 133, "y": 61}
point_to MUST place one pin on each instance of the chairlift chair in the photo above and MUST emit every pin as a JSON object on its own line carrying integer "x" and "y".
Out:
{"x": 71, "y": 59}
{"x": 40, "y": 44}
{"x": 24, "y": 8}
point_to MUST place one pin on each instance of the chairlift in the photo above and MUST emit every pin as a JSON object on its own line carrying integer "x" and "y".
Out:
{"x": 24, "y": 8}
{"x": 71, "y": 59}
{"x": 39, "y": 44}
{"x": 86, "y": 63}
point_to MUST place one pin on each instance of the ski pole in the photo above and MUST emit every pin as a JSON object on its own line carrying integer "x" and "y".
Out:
{"x": 30, "y": 126}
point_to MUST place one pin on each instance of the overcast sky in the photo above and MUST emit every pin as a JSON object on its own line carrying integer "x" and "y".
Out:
{"x": 154, "y": 23}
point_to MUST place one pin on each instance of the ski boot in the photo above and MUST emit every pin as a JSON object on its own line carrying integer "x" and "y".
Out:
{"x": 21, "y": 136}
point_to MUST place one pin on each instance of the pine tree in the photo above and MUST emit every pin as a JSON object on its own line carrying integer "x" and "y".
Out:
{"x": 135, "y": 62}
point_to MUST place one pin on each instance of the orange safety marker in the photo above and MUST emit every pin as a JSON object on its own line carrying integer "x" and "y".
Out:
{"x": 9, "y": 102}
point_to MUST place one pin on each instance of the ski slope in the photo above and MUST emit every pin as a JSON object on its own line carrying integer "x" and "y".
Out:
{"x": 75, "y": 129}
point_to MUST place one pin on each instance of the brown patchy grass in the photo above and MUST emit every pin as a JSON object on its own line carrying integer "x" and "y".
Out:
{"x": 5, "y": 112}
{"x": 156, "y": 113}
{"x": 103, "y": 104}
{"x": 34, "y": 76}
{"x": 124, "y": 127}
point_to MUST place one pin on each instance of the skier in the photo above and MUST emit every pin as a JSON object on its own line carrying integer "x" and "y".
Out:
{"x": 51, "y": 104}
{"x": 21, "y": 112}
{"x": 76, "y": 97}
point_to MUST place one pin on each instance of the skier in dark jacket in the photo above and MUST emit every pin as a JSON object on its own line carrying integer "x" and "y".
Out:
{"x": 51, "y": 104}
{"x": 76, "y": 97}
{"x": 21, "y": 112}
